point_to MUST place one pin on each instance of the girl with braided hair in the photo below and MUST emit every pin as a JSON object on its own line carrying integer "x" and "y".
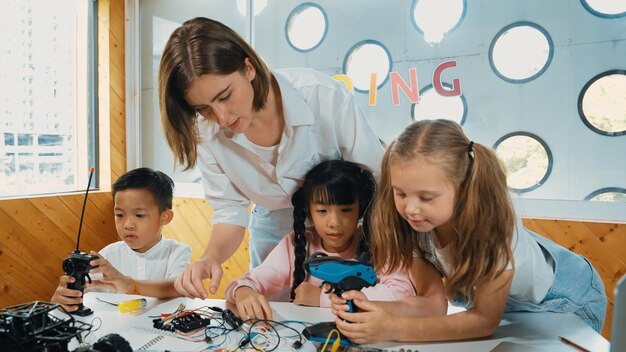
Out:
{"x": 335, "y": 196}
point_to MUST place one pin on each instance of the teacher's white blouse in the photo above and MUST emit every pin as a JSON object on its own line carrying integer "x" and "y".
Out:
{"x": 322, "y": 121}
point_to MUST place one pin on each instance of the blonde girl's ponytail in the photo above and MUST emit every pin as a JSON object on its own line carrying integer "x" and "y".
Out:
{"x": 484, "y": 219}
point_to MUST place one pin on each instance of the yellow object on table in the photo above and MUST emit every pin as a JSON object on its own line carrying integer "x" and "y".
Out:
{"x": 132, "y": 305}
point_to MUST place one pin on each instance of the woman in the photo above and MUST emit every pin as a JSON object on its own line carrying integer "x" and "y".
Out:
{"x": 253, "y": 133}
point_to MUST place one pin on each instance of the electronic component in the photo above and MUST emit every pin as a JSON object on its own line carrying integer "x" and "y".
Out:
{"x": 342, "y": 275}
{"x": 132, "y": 305}
{"x": 297, "y": 345}
{"x": 32, "y": 327}
{"x": 231, "y": 319}
{"x": 77, "y": 264}
{"x": 184, "y": 323}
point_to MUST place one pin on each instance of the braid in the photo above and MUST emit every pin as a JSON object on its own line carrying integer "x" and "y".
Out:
{"x": 299, "y": 230}
{"x": 363, "y": 251}
{"x": 366, "y": 196}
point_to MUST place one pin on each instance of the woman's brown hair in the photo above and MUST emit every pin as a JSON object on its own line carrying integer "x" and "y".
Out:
{"x": 483, "y": 215}
{"x": 199, "y": 47}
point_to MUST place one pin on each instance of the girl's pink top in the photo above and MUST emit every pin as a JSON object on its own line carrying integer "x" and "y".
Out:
{"x": 273, "y": 278}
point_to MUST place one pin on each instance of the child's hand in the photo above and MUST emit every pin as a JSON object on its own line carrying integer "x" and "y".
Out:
{"x": 337, "y": 303}
{"x": 252, "y": 304}
{"x": 104, "y": 267}
{"x": 121, "y": 284}
{"x": 69, "y": 299}
{"x": 369, "y": 325}
{"x": 307, "y": 295}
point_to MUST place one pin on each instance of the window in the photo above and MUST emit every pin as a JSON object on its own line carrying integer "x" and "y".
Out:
{"x": 605, "y": 8}
{"x": 46, "y": 86}
{"x": 527, "y": 159}
{"x": 364, "y": 60}
{"x": 608, "y": 194}
{"x": 431, "y": 105}
{"x": 521, "y": 52}
{"x": 435, "y": 18}
{"x": 306, "y": 27}
{"x": 602, "y": 103}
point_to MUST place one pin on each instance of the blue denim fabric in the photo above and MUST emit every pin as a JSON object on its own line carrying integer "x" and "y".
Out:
{"x": 577, "y": 287}
{"x": 267, "y": 228}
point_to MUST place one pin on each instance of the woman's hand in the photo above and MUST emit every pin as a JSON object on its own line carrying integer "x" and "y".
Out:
{"x": 307, "y": 295}
{"x": 189, "y": 284}
{"x": 251, "y": 304}
{"x": 69, "y": 299}
{"x": 370, "y": 324}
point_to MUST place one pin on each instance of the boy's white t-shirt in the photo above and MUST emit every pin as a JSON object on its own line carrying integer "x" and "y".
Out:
{"x": 167, "y": 259}
{"x": 534, "y": 269}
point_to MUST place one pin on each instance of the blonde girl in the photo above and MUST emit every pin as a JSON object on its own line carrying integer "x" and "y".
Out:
{"x": 444, "y": 199}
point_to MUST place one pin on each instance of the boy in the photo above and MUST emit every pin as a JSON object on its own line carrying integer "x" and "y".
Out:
{"x": 144, "y": 262}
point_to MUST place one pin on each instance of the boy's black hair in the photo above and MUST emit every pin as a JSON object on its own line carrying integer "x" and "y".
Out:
{"x": 157, "y": 183}
{"x": 332, "y": 182}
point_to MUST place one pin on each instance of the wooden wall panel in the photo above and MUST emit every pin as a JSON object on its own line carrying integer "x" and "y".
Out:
{"x": 192, "y": 225}
{"x": 38, "y": 233}
{"x": 111, "y": 90}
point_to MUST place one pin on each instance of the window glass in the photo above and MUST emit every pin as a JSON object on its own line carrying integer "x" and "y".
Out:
{"x": 50, "y": 140}
{"x": 431, "y": 105}
{"x": 435, "y": 18}
{"x": 527, "y": 160}
{"x": 24, "y": 139}
{"x": 306, "y": 27}
{"x": 45, "y": 87}
{"x": 605, "y": 8}
{"x": 521, "y": 52}
{"x": 9, "y": 139}
{"x": 365, "y": 58}
{"x": 602, "y": 103}
{"x": 609, "y": 194}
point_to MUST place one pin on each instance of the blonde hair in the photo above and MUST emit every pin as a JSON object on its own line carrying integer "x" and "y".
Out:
{"x": 199, "y": 47}
{"x": 483, "y": 213}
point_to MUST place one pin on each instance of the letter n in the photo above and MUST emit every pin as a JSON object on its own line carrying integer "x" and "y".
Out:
{"x": 397, "y": 83}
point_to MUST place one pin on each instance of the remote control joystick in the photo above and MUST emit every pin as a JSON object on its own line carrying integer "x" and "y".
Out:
{"x": 341, "y": 275}
{"x": 77, "y": 265}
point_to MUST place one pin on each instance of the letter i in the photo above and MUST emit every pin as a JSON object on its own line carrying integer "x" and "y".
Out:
{"x": 373, "y": 89}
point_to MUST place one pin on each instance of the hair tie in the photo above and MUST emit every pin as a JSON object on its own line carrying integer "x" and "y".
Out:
{"x": 470, "y": 154}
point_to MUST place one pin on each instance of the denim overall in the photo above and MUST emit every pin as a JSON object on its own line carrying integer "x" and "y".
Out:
{"x": 577, "y": 287}
{"x": 267, "y": 228}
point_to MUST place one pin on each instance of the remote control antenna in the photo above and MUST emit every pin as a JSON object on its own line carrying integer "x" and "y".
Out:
{"x": 80, "y": 226}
